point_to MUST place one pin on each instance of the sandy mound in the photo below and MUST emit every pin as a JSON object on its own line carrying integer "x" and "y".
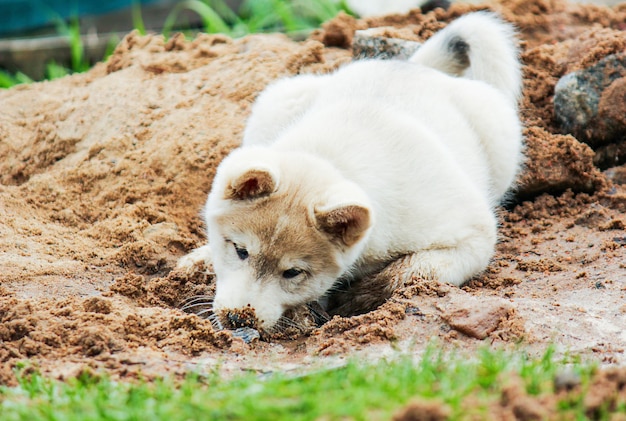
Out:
{"x": 103, "y": 175}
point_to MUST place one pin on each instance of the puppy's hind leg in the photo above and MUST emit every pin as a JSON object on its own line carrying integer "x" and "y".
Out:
{"x": 450, "y": 263}
{"x": 280, "y": 105}
{"x": 454, "y": 263}
{"x": 368, "y": 293}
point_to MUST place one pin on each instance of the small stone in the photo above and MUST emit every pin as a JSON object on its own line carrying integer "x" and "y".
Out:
{"x": 476, "y": 317}
{"x": 413, "y": 311}
{"x": 566, "y": 380}
{"x": 162, "y": 233}
{"x": 375, "y": 43}
{"x": 591, "y": 103}
{"x": 617, "y": 175}
{"x": 620, "y": 240}
{"x": 247, "y": 334}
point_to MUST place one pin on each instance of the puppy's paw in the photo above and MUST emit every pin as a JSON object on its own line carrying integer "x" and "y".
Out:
{"x": 198, "y": 260}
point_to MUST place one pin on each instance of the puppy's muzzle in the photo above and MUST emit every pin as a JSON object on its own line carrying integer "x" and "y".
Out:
{"x": 236, "y": 320}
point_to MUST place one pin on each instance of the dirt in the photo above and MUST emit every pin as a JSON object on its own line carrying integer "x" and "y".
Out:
{"x": 606, "y": 392}
{"x": 103, "y": 176}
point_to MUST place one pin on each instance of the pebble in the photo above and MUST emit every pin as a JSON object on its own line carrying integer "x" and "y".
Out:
{"x": 371, "y": 43}
{"x": 566, "y": 380}
{"x": 413, "y": 311}
{"x": 247, "y": 334}
{"x": 616, "y": 174}
{"x": 476, "y": 317}
{"x": 590, "y": 104}
{"x": 162, "y": 233}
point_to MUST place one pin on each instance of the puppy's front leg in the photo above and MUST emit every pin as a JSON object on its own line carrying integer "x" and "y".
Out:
{"x": 192, "y": 261}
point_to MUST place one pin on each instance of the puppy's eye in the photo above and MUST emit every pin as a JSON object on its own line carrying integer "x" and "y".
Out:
{"x": 291, "y": 273}
{"x": 241, "y": 252}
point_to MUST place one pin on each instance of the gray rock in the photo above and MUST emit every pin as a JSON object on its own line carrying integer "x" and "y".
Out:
{"x": 566, "y": 380}
{"x": 589, "y": 103}
{"x": 247, "y": 334}
{"x": 617, "y": 174}
{"x": 370, "y": 43}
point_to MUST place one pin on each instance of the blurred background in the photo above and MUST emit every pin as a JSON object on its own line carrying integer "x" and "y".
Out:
{"x": 47, "y": 39}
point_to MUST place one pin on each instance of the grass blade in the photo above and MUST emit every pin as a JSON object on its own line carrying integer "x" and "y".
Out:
{"x": 137, "y": 17}
{"x": 211, "y": 20}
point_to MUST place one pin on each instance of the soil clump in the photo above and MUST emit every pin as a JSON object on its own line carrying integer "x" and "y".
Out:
{"x": 103, "y": 176}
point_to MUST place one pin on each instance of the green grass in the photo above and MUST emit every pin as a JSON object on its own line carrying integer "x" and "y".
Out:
{"x": 254, "y": 16}
{"x": 356, "y": 391}
{"x": 8, "y": 80}
{"x": 294, "y": 17}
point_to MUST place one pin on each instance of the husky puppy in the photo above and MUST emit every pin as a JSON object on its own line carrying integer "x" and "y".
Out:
{"x": 392, "y": 166}
{"x": 365, "y": 8}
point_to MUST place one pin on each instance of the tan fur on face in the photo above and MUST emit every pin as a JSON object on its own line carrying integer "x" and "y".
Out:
{"x": 286, "y": 231}
{"x": 308, "y": 220}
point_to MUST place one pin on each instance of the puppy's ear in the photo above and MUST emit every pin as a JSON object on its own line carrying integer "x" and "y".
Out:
{"x": 347, "y": 223}
{"x": 253, "y": 183}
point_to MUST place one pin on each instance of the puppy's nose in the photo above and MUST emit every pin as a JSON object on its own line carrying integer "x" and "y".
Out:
{"x": 238, "y": 320}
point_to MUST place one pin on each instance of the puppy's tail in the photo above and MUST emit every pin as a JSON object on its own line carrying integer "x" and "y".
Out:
{"x": 478, "y": 46}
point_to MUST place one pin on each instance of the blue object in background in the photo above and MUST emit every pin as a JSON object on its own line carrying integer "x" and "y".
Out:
{"x": 24, "y": 15}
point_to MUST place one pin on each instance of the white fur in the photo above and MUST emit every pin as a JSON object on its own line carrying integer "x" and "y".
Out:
{"x": 277, "y": 108}
{"x": 492, "y": 53}
{"x": 428, "y": 153}
{"x": 366, "y": 8}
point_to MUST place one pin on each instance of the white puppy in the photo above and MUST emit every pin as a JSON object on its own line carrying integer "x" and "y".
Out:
{"x": 365, "y": 8}
{"x": 382, "y": 164}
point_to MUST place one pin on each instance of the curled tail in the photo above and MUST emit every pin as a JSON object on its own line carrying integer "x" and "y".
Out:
{"x": 478, "y": 46}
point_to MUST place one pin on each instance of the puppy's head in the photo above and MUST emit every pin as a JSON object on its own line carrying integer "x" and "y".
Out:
{"x": 282, "y": 227}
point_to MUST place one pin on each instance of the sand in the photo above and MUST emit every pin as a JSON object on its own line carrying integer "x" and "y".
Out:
{"x": 103, "y": 176}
